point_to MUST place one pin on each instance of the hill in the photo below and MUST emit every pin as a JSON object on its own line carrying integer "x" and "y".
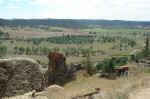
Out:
{"x": 5, "y": 22}
{"x": 75, "y": 23}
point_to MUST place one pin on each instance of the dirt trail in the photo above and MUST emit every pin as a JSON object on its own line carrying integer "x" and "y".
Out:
{"x": 141, "y": 94}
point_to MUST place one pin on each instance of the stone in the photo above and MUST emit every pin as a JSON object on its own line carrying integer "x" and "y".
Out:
{"x": 57, "y": 68}
{"x": 26, "y": 75}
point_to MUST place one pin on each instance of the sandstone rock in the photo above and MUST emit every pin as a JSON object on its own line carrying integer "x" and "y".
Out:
{"x": 27, "y": 75}
{"x": 57, "y": 69}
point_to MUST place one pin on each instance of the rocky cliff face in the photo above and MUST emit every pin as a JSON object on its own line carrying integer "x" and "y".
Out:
{"x": 19, "y": 75}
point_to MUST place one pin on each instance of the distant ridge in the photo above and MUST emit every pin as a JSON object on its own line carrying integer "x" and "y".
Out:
{"x": 75, "y": 23}
{"x": 4, "y": 22}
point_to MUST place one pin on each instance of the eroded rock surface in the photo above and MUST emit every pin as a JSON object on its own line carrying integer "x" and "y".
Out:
{"x": 57, "y": 69}
{"x": 26, "y": 75}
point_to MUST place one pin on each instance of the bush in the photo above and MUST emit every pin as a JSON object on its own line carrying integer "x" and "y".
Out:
{"x": 116, "y": 61}
{"x": 108, "y": 66}
{"x": 3, "y": 50}
{"x": 88, "y": 66}
{"x": 28, "y": 50}
{"x": 120, "y": 60}
{"x": 100, "y": 65}
{"x": 36, "y": 41}
{"x": 21, "y": 50}
{"x": 140, "y": 55}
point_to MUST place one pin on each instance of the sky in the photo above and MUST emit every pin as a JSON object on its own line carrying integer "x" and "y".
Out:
{"x": 76, "y": 9}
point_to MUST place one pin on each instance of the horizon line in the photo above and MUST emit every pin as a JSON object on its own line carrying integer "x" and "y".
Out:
{"x": 76, "y": 19}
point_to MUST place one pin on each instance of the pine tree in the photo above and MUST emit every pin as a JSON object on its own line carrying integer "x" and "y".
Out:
{"x": 88, "y": 65}
{"x": 109, "y": 66}
{"x": 147, "y": 44}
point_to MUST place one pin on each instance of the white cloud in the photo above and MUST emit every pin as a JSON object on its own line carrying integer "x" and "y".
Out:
{"x": 98, "y": 9}
{"x": 41, "y": 1}
{"x": 1, "y": 1}
{"x": 13, "y": 6}
{"x": 18, "y": 0}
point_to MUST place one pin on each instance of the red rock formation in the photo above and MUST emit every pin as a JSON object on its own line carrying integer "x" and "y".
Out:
{"x": 56, "y": 69}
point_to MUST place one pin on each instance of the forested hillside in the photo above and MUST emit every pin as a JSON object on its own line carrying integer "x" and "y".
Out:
{"x": 75, "y": 23}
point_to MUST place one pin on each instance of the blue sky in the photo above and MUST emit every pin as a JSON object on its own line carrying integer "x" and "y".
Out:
{"x": 76, "y": 9}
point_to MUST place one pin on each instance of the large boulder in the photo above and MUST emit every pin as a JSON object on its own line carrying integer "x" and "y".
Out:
{"x": 57, "y": 68}
{"x": 19, "y": 75}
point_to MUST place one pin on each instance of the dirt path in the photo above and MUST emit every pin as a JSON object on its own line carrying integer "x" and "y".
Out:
{"x": 141, "y": 94}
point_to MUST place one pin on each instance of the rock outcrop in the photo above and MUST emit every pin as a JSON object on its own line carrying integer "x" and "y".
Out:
{"x": 25, "y": 76}
{"x": 57, "y": 69}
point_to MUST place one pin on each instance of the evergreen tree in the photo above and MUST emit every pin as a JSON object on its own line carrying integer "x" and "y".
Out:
{"x": 147, "y": 44}
{"x": 108, "y": 67}
{"x": 88, "y": 65}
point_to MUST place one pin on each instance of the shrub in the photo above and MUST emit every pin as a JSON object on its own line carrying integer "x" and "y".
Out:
{"x": 140, "y": 55}
{"x": 28, "y": 50}
{"x": 108, "y": 66}
{"x": 36, "y": 41}
{"x": 3, "y": 50}
{"x": 120, "y": 60}
{"x": 147, "y": 44}
{"x": 115, "y": 61}
{"x": 21, "y": 50}
{"x": 100, "y": 65}
{"x": 88, "y": 66}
